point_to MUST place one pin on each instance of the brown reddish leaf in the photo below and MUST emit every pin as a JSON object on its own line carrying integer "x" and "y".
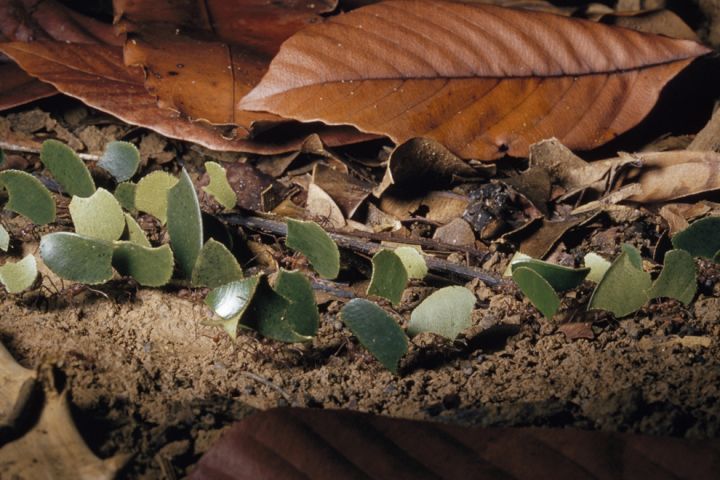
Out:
{"x": 441, "y": 207}
{"x": 574, "y": 331}
{"x": 324, "y": 444}
{"x": 347, "y": 191}
{"x": 18, "y": 88}
{"x": 482, "y": 80}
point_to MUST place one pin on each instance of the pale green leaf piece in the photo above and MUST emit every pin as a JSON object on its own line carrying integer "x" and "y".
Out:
{"x": 215, "y": 266}
{"x": 446, "y": 312}
{"x": 67, "y": 168}
{"x": 219, "y": 186}
{"x": 517, "y": 257}
{"x": 4, "y": 239}
{"x": 28, "y": 196}
{"x": 135, "y": 233}
{"x": 538, "y": 290}
{"x": 151, "y": 194}
{"x": 98, "y": 216}
{"x": 598, "y": 267}
{"x": 253, "y": 304}
{"x": 678, "y": 278}
{"x": 125, "y": 194}
{"x": 389, "y": 277}
{"x": 377, "y": 331}
{"x": 302, "y": 313}
{"x": 120, "y": 159}
{"x": 19, "y": 276}
{"x": 150, "y": 267}
{"x": 623, "y": 289}
{"x": 413, "y": 261}
{"x": 701, "y": 239}
{"x": 312, "y": 241}
{"x": 559, "y": 277}
{"x": 184, "y": 224}
{"x": 76, "y": 257}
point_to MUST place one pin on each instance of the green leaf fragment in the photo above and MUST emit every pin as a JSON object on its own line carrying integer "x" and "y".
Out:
{"x": 76, "y": 257}
{"x": 302, "y": 312}
{"x": 150, "y": 267}
{"x": 377, "y": 331}
{"x": 598, "y": 267}
{"x": 120, "y": 159}
{"x": 98, "y": 216}
{"x": 19, "y": 276}
{"x": 559, "y": 277}
{"x": 623, "y": 289}
{"x": 446, "y": 312}
{"x": 678, "y": 278}
{"x": 312, "y": 241}
{"x": 215, "y": 266}
{"x": 517, "y": 257}
{"x": 67, "y": 168}
{"x": 389, "y": 277}
{"x": 252, "y": 303}
{"x": 538, "y": 290}
{"x": 151, "y": 194}
{"x": 184, "y": 224}
{"x": 701, "y": 239}
{"x": 219, "y": 186}
{"x": 4, "y": 239}
{"x": 28, "y": 196}
{"x": 413, "y": 261}
{"x": 125, "y": 194}
{"x": 135, "y": 233}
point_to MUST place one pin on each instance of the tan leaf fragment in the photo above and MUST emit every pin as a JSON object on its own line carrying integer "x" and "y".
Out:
{"x": 323, "y": 208}
{"x": 17, "y": 386}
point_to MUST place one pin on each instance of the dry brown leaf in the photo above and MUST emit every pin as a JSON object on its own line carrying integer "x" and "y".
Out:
{"x": 482, "y": 80}
{"x": 457, "y": 232}
{"x": 347, "y": 191}
{"x": 323, "y": 444}
{"x": 679, "y": 215}
{"x": 18, "y": 88}
{"x": 17, "y": 386}
{"x": 441, "y": 207}
{"x": 575, "y": 331}
{"x": 323, "y": 209}
{"x": 659, "y": 22}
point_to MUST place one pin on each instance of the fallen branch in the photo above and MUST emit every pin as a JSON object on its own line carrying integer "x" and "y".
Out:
{"x": 36, "y": 151}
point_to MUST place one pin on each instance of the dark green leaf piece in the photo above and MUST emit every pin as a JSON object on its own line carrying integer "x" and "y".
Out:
{"x": 125, "y": 194}
{"x": 678, "y": 278}
{"x": 701, "y": 239}
{"x": 19, "y": 276}
{"x": 121, "y": 160}
{"x": 377, "y": 331}
{"x": 312, "y": 241}
{"x": 150, "y": 267}
{"x": 215, "y": 266}
{"x": 78, "y": 258}
{"x": 389, "y": 276}
{"x": 559, "y": 277}
{"x": 623, "y": 289}
{"x": 28, "y": 196}
{"x": 4, "y": 239}
{"x": 302, "y": 313}
{"x": 184, "y": 224}
{"x": 67, "y": 168}
{"x": 538, "y": 290}
{"x": 446, "y": 312}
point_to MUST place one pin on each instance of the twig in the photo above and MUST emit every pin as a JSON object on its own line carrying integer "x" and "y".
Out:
{"x": 36, "y": 151}
{"x": 269, "y": 384}
{"x": 346, "y": 240}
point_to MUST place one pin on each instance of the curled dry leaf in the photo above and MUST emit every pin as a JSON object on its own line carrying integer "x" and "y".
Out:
{"x": 322, "y": 207}
{"x": 482, "y": 80}
{"x": 347, "y": 191}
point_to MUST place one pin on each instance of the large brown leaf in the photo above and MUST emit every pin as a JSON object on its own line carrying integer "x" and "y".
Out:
{"x": 19, "y": 88}
{"x": 322, "y": 444}
{"x": 483, "y": 80}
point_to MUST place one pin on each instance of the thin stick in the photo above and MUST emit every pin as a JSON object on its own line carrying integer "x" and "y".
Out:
{"x": 346, "y": 240}
{"x": 269, "y": 384}
{"x": 36, "y": 151}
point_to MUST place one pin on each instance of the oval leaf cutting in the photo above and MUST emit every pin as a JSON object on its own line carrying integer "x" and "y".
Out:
{"x": 312, "y": 241}
{"x": 482, "y": 80}
{"x": 302, "y": 312}
{"x": 559, "y": 277}
{"x": 67, "y": 168}
{"x": 151, "y": 194}
{"x": 701, "y": 239}
{"x": 121, "y": 160}
{"x": 4, "y": 239}
{"x": 98, "y": 216}
{"x": 678, "y": 278}
{"x": 215, "y": 266}
{"x": 376, "y": 330}
{"x": 151, "y": 267}
{"x": 623, "y": 289}
{"x": 78, "y": 258}
{"x": 446, "y": 312}
{"x": 389, "y": 276}
{"x": 414, "y": 262}
{"x": 28, "y": 196}
{"x": 19, "y": 276}
{"x": 538, "y": 290}
{"x": 219, "y": 186}
{"x": 184, "y": 224}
